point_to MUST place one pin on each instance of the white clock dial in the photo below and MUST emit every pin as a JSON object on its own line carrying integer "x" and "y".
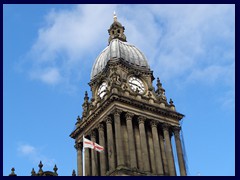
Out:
{"x": 102, "y": 90}
{"x": 136, "y": 84}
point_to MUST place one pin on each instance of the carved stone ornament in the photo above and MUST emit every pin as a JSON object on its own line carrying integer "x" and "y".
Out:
{"x": 176, "y": 131}
{"x": 108, "y": 120}
{"x": 101, "y": 127}
{"x": 124, "y": 87}
{"x": 78, "y": 146}
{"x": 93, "y": 134}
{"x": 116, "y": 112}
{"x": 163, "y": 96}
{"x": 141, "y": 119}
{"x": 149, "y": 94}
{"x": 154, "y": 123}
{"x": 115, "y": 79}
{"x": 129, "y": 116}
{"x": 165, "y": 126}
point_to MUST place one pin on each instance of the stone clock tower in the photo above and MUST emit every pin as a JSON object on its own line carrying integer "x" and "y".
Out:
{"x": 128, "y": 116}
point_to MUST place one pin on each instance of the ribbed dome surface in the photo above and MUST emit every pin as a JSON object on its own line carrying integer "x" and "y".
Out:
{"x": 119, "y": 49}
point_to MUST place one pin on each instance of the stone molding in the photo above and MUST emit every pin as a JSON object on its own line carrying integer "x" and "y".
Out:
{"x": 112, "y": 98}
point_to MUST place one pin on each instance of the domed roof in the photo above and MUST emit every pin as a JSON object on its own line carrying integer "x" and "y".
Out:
{"x": 118, "y": 49}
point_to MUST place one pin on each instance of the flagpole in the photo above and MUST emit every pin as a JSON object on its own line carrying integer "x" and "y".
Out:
{"x": 83, "y": 158}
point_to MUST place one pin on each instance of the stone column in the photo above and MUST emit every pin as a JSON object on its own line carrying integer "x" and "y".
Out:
{"x": 158, "y": 158}
{"x": 131, "y": 143}
{"x": 151, "y": 151}
{"x": 138, "y": 148}
{"x": 87, "y": 162}
{"x": 94, "y": 156}
{"x": 110, "y": 142}
{"x": 163, "y": 153}
{"x": 118, "y": 137}
{"x": 171, "y": 165}
{"x": 102, "y": 154}
{"x": 78, "y": 147}
{"x": 144, "y": 148}
{"x": 179, "y": 151}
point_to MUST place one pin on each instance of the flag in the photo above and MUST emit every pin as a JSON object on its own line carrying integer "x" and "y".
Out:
{"x": 90, "y": 144}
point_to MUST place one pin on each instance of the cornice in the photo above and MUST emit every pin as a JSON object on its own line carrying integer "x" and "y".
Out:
{"x": 106, "y": 102}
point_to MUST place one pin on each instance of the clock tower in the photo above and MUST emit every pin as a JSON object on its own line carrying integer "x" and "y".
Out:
{"x": 128, "y": 116}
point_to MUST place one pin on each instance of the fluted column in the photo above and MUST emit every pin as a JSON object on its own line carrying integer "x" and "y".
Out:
{"x": 118, "y": 137}
{"x": 171, "y": 165}
{"x": 163, "y": 152}
{"x": 102, "y": 154}
{"x": 94, "y": 156}
{"x": 110, "y": 140}
{"x": 78, "y": 147}
{"x": 181, "y": 163}
{"x": 131, "y": 143}
{"x": 144, "y": 148}
{"x": 158, "y": 158}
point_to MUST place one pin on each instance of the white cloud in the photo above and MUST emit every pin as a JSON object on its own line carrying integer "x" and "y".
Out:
{"x": 212, "y": 74}
{"x": 49, "y": 76}
{"x": 177, "y": 39}
{"x": 227, "y": 101}
{"x": 26, "y": 149}
{"x": 65, "y": 42}
{"x": 34, "y": 155}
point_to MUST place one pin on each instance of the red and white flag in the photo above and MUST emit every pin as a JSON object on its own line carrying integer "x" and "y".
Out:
{"x": 90, "y": 144}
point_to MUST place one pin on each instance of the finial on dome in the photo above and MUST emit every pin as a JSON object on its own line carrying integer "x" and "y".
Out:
{"x": 114, "y": 16}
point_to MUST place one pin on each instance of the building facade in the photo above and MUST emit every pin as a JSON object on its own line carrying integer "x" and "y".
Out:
{"x": 128, "y": 116}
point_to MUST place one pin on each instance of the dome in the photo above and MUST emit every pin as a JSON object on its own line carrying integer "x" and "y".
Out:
{"x": 118, "y": 49}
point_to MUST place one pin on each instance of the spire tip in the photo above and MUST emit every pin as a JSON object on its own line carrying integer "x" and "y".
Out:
{"x": 114, "y": 16}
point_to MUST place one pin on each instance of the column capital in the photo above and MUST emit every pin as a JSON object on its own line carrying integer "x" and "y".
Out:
{"x": 93, "y": 134}
{"x": 166, "y": 126}
{"x": 78, "y": 146}
{"x": 141, "y": 119}
{"x": 116, "y": 112}
{"x": 176, "y": 131}
{"x": 154, "y": 123}
{"x": 108, "y": 120}
{"x": 129, "y": 116}
{"x": 100, "y": 127}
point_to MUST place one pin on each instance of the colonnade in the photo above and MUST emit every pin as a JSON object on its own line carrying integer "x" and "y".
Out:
{"x": 133, "y": 142}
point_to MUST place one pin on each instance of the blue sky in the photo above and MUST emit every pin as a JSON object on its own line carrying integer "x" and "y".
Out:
{"x": 48, "y": 53}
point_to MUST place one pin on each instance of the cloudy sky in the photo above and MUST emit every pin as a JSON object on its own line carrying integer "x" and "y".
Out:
{"x": 49, "y": 51}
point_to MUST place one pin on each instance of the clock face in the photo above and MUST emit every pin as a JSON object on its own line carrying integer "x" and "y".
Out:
{"x": 102, "y": 90}
{"x": 136, "y": 84}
